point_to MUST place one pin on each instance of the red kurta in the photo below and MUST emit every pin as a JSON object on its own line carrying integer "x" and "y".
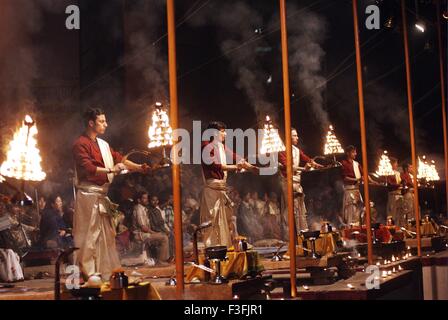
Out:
{"x": 407, "y": 178}
{"x": 88, "y": 157}
{"x": 282, "y": 160}
{"x": 392, "y": 183}
{"x": 214, "y": 170}
{"x": 348, "y": 171}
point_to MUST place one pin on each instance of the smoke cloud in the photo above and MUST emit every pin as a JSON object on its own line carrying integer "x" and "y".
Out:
{"x": 237, "y": 23}
{"x": 305, "y": 39}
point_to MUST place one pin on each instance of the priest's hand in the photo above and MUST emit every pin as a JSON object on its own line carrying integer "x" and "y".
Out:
{"x": 118, "y": 168}
{"x": 316, "y": 165}
{"x": 145, "y": 168}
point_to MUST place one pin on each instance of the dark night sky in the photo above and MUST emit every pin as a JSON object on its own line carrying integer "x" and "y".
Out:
{"x": 103, "y": 65}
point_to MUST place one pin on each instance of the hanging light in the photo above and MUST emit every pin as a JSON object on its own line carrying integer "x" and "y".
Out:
{"x": 420, "y": 25}
{"x": 390, "y": 23}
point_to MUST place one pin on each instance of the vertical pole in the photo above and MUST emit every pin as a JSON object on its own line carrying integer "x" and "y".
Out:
{"x": 411, "y": 125}
{"x": 288, "y": 143}
{"x": 365, "y": 167}
{"x": 175, "y": 166}
{"x": 442, "y": 92}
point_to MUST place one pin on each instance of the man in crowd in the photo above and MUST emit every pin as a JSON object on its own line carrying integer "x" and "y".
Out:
{"x": 148, "y": 233}
{"x": 54, "y": 232}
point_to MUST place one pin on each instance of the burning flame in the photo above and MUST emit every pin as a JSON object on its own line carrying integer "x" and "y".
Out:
{"x": 332, "y": 146}
{"x": 384, "y": 166}
{"x": 23, "y": 158}
{"x": 160, "y": 132}
{"x": 427, "y": 172}
{"x": 271, "y": 140}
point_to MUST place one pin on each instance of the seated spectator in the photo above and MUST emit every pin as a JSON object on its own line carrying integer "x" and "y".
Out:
{"x": 144, "y": 231}
{"x": 249, "y": 224}
{"x": 156, "y": 217}
{"x": 54, "y": 232}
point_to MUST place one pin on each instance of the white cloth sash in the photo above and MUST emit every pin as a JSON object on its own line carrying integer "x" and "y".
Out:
{"x": 106, "y": 154}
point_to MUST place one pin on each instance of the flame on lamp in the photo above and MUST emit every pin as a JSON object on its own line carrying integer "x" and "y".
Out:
{"x": 332, "y": 145}
{"x": 427, "y": 171}
{"x": 384, "y": 166}
{"x": 23, "y": 157}
{"x": 271, "y": 142}
{"x": 160, "y": 132}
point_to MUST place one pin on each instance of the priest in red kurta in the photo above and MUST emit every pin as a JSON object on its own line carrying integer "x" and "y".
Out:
{"x": 93, "y": 225}
{"x": 352, "y": 204}
{"x": 301, "y": 162}
{"x": 407, "y": 180}
{"x": 216, "y": 206}
{"x": 394, "y": 196}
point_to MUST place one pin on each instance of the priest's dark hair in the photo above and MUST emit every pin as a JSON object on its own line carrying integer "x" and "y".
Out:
{"x": 349, "y": 148}
{"x": 216, "y": 125}
{"x": 92, "y": 113}
{"x": 393, "y": 160}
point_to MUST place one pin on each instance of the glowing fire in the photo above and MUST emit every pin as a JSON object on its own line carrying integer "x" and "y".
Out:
{"x": 427, "y": 172}
{"x": 332, "y": 146}
{"x": 160, "y": 132}
{"x": 384, "y": 166}
{"x": 23, "y": 158}
{"x": 271, "y": 140}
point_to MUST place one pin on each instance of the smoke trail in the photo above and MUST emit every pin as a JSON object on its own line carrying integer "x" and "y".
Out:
{"x": 146, "y": 59}
{"x": 20, "y": 56}
{"x": 306, "y": 35}
{"x": 235, "y": 23}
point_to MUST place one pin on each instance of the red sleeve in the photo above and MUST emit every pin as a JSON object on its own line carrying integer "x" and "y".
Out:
{"x": 346, "y": 172}
{"x": 235, "y": 157}
{"x": 282, "y": 158}
{"x": 116, "y": 155}
{"x": 83, "y": 159}
{"x": 304, "y": 157}
{"x": 392, "y": 181}
{"x": 209, "y": 158}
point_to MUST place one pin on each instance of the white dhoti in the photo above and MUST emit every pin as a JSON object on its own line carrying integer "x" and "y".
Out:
{"x": 352, "y": 205}
{"x": 217, "y": 208}
{"x": 94, "y": 232}
{"x": 299, "y": 206}
{"x": 10, "y": 269}
{"x": 395, "y": 207}
{"x": 408, "y": 205}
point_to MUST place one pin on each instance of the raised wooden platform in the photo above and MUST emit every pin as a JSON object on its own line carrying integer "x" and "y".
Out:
{"x": 436, "y": 243}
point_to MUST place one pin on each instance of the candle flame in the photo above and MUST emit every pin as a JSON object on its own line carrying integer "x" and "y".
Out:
{"x": 23, "y": 157}
{"x": 427, "y": 172}
{"x": 332, "y": 145}
{"x": 160, "y": 132}
{"x": 271, "y": 141}
{"x": 384, "y": 166}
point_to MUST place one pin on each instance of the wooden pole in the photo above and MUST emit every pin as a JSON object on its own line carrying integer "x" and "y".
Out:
{"x": 442, "y": 92}
{"x": 365, "y": 167}
{"x": 288, "y": 143}
{"x": 175, "y": 166}
{"x": 411, "y": 125}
